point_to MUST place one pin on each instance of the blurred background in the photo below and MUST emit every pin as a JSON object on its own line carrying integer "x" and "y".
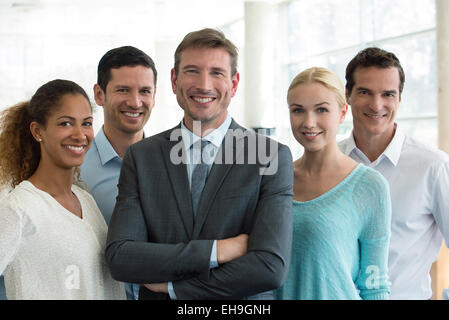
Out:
{"x": 41, "y": 40}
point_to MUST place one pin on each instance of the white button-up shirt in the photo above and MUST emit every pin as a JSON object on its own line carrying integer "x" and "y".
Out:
{"x": 418, "y": 176}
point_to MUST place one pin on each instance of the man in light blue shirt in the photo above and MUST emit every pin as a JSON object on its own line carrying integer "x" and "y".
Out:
{"x": 101, "y": 170}
{"x": 125, "y": 88}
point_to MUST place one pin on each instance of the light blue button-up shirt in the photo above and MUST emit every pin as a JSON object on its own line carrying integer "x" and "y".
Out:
{"x": 101, "y": 171}
{"x": 193, "y": 158}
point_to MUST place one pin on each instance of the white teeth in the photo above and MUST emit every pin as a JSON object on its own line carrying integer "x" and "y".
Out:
{"x": 374, "y": 117}
{"x": 133, "y": 115}
{"x": 311, "y": 134}
{"x": 78, "y": 149}
{"x": 202, "y": 100}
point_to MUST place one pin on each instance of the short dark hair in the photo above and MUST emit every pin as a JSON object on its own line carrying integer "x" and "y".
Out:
{"x": 373, "y": 57}
{"x": 119, "y": 57}
{"x": 207, "y": 38}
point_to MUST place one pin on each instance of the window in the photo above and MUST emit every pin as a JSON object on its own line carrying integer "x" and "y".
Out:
{"x": 329, "y": 33}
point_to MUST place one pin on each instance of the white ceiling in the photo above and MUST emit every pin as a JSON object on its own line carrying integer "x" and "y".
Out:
{"x": 169, "y": 18}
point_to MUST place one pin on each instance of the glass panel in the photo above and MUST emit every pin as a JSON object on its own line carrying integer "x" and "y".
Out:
{"x": 322, "y": 25}
{"x": 329, "y": 33}
{"x": 12, "y": 77}
{"x": 424, "y": 130}
{"x": 418, "y": 58}
{"x": 398, "y": 17}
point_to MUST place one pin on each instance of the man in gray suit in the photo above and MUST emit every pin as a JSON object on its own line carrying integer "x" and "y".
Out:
{"x": 204, "y": 209}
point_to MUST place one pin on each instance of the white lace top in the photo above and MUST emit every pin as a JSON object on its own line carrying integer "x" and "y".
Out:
{"x": 47, "y": 252}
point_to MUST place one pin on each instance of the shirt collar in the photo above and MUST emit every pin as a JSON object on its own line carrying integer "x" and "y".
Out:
{"x": 215, "y": 137}
{"x": 104, "y": 147}
{"x": 349, "y": 144}
{"x": 393, "y": 150}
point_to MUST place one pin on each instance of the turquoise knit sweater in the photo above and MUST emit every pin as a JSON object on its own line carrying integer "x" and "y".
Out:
{"x": 340, "y": 242}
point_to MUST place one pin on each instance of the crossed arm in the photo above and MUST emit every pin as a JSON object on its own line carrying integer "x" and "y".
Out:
{"x": 227, "y": 250}
{"x": 248, "y": 264}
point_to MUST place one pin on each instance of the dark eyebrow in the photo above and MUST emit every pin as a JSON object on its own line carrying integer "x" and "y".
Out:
{"x": 72, "y": 118}
{"x": 122, "y": 86}
{"x": 386, "y": 91}
{"x": 219, "y": 69}
{"x": 190, "y": 66}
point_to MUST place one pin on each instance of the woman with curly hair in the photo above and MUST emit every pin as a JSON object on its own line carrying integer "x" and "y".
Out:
{"x": 52, "y": 232}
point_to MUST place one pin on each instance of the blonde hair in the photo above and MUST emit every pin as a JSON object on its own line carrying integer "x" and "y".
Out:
{"x": 324, "y": 77}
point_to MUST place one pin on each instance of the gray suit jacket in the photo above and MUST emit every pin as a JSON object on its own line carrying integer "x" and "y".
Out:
{"x": 153, "y": 236}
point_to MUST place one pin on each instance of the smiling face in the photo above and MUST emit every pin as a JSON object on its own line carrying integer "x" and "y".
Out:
{"x": 128, "y": 100}
{"x": 314, "y": 115}
{"x": 374, "y": 101}
{"x": 68, "y": 133}
{"x": 204, "y": 86}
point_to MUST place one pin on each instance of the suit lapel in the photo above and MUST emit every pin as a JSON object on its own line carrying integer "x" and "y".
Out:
{"x": 173, "y": 151}
{"x": 230, "y": 149}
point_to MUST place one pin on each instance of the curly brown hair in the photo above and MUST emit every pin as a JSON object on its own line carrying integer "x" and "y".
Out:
{"x": 20, "y": 152}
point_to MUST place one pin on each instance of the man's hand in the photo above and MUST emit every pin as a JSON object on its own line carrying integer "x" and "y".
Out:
{"x": 157, "y": 287}
{"x": 227, "y": 250}
{"x": 232, "y": 248}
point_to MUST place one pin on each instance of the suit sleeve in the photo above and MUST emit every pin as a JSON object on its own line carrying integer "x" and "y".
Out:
{"x": 131, "y": 258}
{"x": 265, "y": 266}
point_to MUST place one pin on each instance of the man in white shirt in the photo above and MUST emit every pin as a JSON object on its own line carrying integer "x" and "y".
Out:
{"x": 418, "y": 174}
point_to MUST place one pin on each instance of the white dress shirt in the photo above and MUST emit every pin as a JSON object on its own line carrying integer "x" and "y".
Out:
{"x": 419, "y": 184}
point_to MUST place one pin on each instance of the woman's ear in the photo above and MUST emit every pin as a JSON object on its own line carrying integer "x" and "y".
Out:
{"x": 36, "y": 131}
{"x": 343, "y": 113}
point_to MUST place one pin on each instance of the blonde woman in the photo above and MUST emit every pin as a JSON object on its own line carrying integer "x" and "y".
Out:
{"x": 52, "y": 232}
{"x": 341, "y": 209}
